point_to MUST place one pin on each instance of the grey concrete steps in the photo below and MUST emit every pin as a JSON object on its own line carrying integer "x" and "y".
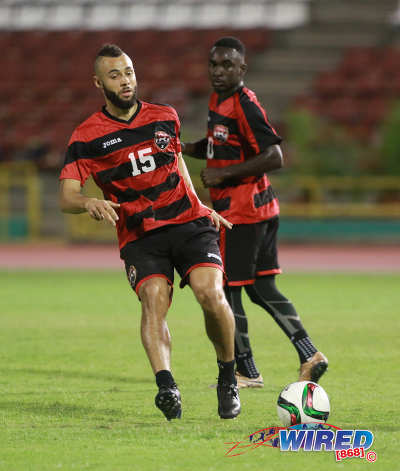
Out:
{"x": 345, "y": 11}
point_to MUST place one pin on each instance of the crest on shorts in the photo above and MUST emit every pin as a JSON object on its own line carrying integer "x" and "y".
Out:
{"x": 132, "y": 276}
{"x": 162, "y": 139}
{"x": 221, "y": 132}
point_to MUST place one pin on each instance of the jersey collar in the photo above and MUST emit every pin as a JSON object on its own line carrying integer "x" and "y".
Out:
{"x": 238, "y": 90}
{"x": 110, "y": 116}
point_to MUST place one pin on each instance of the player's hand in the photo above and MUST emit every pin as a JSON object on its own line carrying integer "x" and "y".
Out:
{"x": 212, "y": 176}
{"x": 102, "y": 209}
{"x": 217, "y": 220}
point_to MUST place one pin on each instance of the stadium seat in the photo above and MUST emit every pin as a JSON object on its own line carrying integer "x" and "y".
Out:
{"x": 358, "y": 91}
{"x": 357, "y": 60}
{"x": 171, "y": 65}
{"x": 344, "y": 110}
{"x": 329, "y": 84}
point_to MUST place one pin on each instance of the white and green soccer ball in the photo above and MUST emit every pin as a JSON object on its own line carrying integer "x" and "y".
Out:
{"x": 303, "y": 402}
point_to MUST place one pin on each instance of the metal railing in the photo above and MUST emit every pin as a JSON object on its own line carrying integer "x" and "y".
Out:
{"x": 300, "y": 197}
{"x": 19, "y": 199}
{"x": 348, "y": 197}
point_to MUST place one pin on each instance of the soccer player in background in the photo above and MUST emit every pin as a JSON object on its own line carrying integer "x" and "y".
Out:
{"x": 240, "y": 147}
{"x": 132, "y": 150}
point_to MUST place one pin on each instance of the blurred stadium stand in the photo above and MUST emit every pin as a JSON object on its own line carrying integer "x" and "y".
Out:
{"x": 46, "y": 76}
{"x": 338, "y": 59}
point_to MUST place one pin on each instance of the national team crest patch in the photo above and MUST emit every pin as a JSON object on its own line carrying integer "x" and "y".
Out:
{"x": 221, "y": 132}
{"x": 162, "y": 139}
{"x": 132, "y": 276}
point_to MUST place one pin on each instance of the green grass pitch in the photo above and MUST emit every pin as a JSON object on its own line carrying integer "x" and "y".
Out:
{"x": 77, "y": 392}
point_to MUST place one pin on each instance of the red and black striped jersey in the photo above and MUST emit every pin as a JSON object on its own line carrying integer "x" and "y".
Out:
{"x": 238, "y": 129}
{"x": 135, "y": 163}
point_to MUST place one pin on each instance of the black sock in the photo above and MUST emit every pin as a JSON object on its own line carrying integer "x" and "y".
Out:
{"x": 226, "y": 372}
{"x": 164, "y": 378}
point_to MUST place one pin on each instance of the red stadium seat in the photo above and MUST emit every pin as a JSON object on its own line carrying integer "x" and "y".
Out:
{"x": 329, "y": 84}
{"x": 344, "y": 110}
{"x": 357, "y": 60}
{"x": 53, "y": 90}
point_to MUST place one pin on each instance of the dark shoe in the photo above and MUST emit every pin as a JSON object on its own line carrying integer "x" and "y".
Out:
{"x": 168, "y": 400}
{"x": 313, "y": 368}
{"x": 228, "y": 400}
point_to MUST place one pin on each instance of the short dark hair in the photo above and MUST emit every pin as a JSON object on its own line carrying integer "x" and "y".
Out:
{"x": 232, "y": 43}
{"x": 107, "y": 50}
{"x": 110, "y": 50}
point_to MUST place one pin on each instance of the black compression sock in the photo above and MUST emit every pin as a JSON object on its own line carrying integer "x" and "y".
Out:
{"x": 246, "y": 366}
{"x": 302, "y": 343}
{"x": 226, "y": 372}
{"x": 164, "y": 378}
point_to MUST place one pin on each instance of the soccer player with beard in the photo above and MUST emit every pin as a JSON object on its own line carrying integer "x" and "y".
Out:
{"x": 132, "y": 150}
{"x": 240, "y": 148}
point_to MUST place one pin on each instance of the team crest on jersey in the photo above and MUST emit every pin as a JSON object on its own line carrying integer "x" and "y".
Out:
{"x": 162, "y": 139}
{"x": 221, "y": 132}
{"x": 132, "y": 276}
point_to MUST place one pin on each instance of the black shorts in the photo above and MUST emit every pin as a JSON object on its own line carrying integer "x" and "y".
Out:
{"x": 250, "y": 251}
{"x": 182, "y": 247}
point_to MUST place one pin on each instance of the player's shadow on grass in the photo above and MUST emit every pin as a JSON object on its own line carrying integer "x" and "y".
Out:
{"x": 59, "y": 374}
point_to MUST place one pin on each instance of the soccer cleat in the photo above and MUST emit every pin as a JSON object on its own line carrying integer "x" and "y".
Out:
{"x": 245, "y": 382}
{"x": 168, "y": 400}
{"x": 228, "y": 400}
{"x": 313, "y": 368}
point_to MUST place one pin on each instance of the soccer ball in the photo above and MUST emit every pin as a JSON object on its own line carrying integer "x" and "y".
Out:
{"x": 302, "y": 403}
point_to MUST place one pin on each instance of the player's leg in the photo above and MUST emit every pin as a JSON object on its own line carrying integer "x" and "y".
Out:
{"x": 247, "y": 374}
{"x": 155, "y": 296}
{"x": 197, "y": 259}
{"x": 265, "y": 293}
{"x": 240, "y": 265}
{"x": 151, "y": 274}
{"x": 207, "y": 285}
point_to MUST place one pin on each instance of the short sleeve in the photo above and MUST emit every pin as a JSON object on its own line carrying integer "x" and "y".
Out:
{"x": 254, "y": 124}
{"x": 75, "y": 166}
{"x": 177, "y": 132}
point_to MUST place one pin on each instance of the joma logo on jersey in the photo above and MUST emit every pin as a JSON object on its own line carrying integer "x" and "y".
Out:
{"x": 161, "y": 139}
{"x": 111, "y": 142}
{"x": 221, "y": 132}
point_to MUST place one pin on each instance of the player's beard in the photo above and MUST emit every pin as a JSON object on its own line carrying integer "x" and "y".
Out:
{"x": 119, "y": 102}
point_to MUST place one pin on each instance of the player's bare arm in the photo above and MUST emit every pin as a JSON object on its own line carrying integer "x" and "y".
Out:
{"x": 217, "y": 219}
{"x": 197, "y": 149}
{"x": 269, "y": 160}
{"x": 73, "y": 201}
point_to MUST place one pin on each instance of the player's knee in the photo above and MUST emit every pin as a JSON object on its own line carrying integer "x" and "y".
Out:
{"x": 264, "y": 289}
{"x": 209, "y": 297}
{"x": 253, "y": 294}
{"x": 155, "y": 291}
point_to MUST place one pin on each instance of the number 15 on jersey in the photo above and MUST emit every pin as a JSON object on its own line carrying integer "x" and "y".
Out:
{"x": 145, "y": 159}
